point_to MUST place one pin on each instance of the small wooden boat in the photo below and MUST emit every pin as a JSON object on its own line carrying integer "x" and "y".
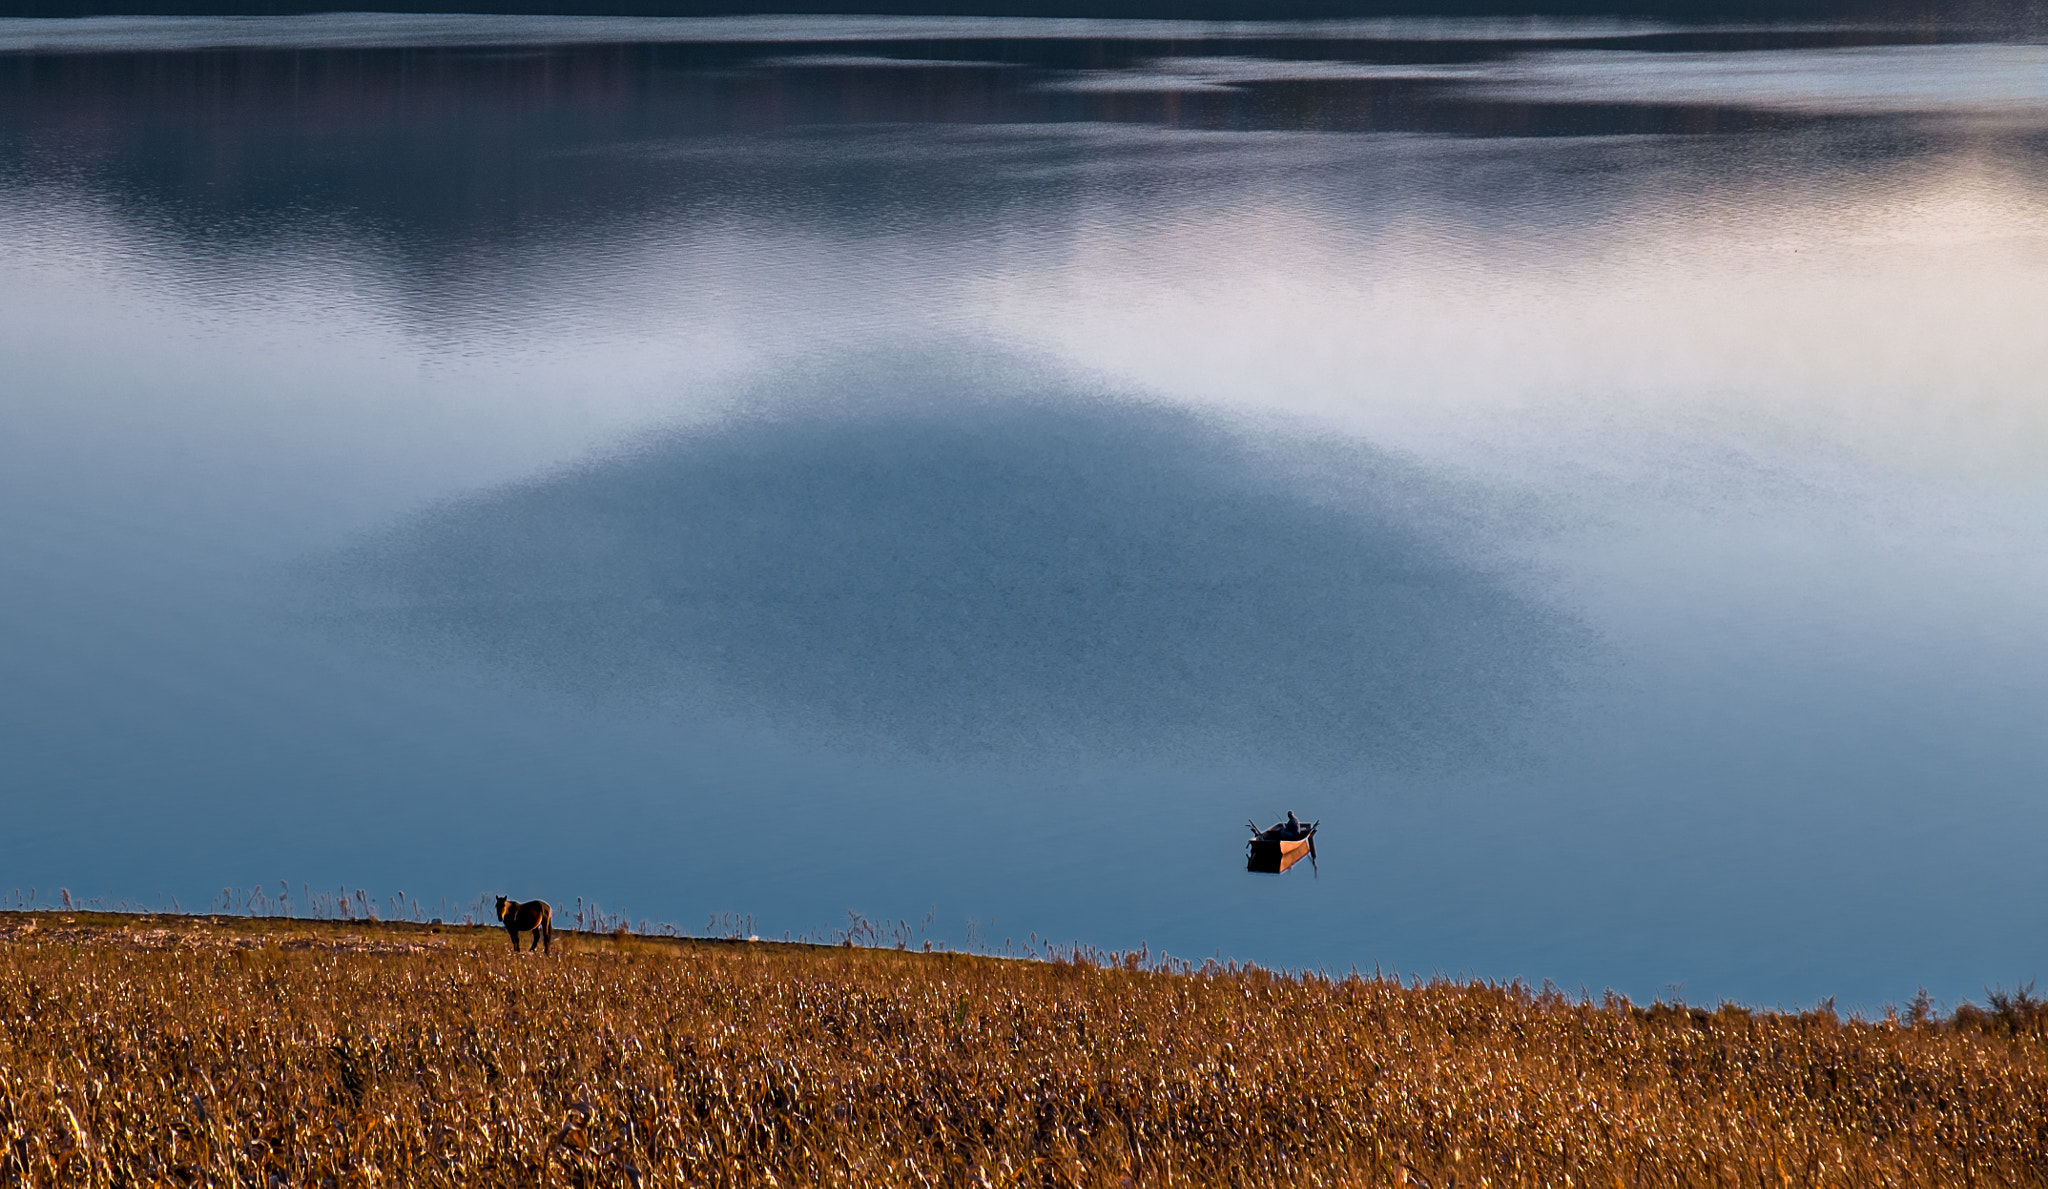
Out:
{"x": 1279, "y": 847}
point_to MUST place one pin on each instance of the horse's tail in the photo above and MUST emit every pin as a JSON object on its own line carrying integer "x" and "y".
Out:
{"x": 547, "y": 924}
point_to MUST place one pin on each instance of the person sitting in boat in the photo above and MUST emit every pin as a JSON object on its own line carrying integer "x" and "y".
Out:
{"x": 1293, "y": 827}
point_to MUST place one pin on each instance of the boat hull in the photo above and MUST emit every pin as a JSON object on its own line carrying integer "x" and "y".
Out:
{"x": 1271, "y": 856}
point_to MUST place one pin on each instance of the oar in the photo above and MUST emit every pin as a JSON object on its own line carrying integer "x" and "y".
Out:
{"x": 1313, "y": 870}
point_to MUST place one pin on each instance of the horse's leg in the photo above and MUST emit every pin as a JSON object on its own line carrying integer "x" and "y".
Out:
{"x": 546, "y": 935}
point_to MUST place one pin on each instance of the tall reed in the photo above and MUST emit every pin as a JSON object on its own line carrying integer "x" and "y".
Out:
{"x": 169, "y": 1052}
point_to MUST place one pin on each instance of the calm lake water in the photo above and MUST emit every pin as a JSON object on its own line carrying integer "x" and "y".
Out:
{"x": 961, "y": 469}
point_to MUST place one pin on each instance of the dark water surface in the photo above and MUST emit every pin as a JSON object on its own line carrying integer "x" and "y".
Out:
{"x": 785, "y": 466}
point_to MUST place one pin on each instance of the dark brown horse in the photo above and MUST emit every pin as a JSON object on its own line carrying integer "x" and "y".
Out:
{"x": 533, "y": 917}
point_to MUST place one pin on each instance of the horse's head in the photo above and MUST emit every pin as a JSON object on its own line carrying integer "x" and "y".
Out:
{"x": 504, "y": 906}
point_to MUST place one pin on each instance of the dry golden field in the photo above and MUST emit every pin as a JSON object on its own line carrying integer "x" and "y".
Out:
{"x": 183, "y": 1051}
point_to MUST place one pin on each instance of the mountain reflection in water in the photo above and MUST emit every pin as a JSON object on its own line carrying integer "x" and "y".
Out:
{"x": 956, "y": 560}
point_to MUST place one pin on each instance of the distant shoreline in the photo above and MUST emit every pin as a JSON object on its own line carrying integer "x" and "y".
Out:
{"x": 1983, "y": 12}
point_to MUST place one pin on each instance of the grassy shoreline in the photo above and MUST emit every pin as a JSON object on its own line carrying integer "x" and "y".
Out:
{"x": 165, "y": 1049}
